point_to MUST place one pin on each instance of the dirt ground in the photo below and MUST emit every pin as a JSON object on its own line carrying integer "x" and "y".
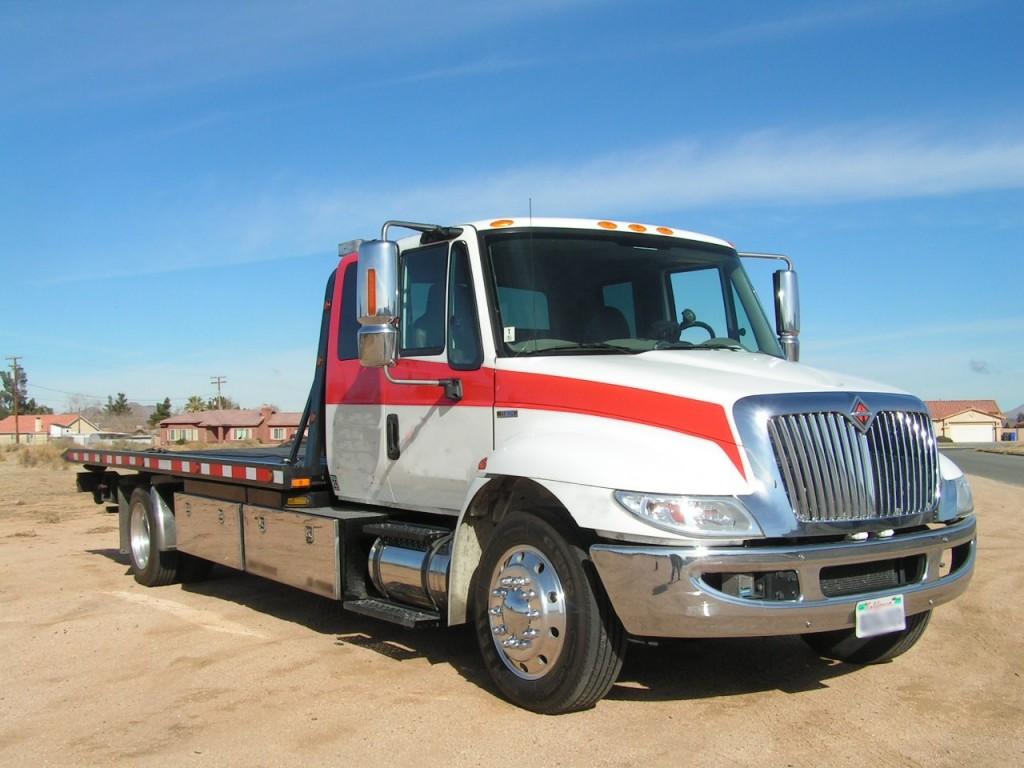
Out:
{"x": 97, "y": 670}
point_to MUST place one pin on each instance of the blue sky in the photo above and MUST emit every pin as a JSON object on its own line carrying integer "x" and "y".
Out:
{"x": 175, "y": 177}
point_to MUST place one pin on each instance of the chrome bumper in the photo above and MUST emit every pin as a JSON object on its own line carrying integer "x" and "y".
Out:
{"x": 661, "y": 591}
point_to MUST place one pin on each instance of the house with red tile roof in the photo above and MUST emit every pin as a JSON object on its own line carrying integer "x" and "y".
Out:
{"x": 44, "y": 427}
{"x": 966, "y": 421}
{"x": 264, "y": 425}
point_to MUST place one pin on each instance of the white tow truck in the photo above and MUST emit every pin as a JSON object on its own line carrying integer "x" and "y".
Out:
{"x": 570, "y": 433}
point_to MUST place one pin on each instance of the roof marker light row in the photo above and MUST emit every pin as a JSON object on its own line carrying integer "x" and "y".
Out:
{"x": 498, "y": 223}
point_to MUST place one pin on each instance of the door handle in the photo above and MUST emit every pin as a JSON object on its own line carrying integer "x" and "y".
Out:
{"x": 391, "y": 430}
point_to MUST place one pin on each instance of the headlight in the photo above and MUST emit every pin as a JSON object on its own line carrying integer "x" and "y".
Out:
{"x": 710, "y": 516}
{"x": 964, "y": 497}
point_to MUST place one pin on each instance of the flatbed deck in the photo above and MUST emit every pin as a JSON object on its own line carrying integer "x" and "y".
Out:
{"x": 263, "y": 466}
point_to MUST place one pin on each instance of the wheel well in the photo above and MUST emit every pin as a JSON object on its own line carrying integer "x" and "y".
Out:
{"x": 484, "y": 514}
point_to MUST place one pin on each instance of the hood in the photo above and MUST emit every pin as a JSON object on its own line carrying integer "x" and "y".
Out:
{"x": 718, "y": 376}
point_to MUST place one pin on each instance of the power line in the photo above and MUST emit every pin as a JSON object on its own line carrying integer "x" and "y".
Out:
{"x": 100, "y": 397}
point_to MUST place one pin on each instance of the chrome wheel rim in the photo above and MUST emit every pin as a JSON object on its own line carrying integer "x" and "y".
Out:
{"x": 140, "y": 536}
{"x": 527, "y": 612}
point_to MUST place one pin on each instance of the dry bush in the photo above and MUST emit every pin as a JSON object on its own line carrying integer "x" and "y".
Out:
{"x": 45, "y": 455}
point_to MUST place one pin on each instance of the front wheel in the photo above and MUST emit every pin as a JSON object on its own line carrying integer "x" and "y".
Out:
{"x": 152, "y": 568}
{"x": 547, "y": 633}
{"x": 844, "y": 645}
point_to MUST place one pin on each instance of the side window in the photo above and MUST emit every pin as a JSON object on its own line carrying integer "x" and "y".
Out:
{"x": 348, "y": 323}
{"x": 423, "y": 301}
{"x": 620, "y": 296}
{"x": 464, "y": 350}
{"x": 699, "y": 291}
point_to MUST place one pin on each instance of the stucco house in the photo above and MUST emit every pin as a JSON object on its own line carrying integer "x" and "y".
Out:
{"x": 966, "y": 421}
{"x": 264, "y": 425}
{"x": 45, "y": 427}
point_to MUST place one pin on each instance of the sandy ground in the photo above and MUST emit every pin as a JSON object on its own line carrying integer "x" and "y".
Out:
{"x": 96, "y": 670}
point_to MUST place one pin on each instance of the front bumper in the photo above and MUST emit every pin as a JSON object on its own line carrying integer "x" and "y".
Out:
{"x": 663, "y": 591}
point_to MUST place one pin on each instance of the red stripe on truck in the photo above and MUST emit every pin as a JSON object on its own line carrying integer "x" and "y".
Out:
{"x": 350, "y": 384}
{"x": 593, "y": 398}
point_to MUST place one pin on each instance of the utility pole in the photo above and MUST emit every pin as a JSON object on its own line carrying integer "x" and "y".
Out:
{"x": 14, "y": 388}
{"x": 219, "y": 380}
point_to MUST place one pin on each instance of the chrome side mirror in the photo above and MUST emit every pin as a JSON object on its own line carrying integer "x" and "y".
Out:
{"x": 787, "y": 312}
{"x": 377, "y": 303}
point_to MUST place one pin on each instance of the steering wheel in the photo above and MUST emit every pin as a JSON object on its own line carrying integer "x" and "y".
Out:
{"x": 690, "y": 321}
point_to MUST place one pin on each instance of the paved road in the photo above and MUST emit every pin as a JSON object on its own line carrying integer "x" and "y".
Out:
{"x": 1005, "y": 469}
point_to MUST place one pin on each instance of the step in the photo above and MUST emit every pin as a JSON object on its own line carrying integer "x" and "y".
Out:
{"x": 403, "y": 615}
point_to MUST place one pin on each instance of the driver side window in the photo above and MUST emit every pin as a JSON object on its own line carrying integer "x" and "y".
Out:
{"x": 423, "y": 300}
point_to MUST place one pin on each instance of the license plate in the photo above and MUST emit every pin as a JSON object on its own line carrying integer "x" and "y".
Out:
{"x": 884, "y": 614}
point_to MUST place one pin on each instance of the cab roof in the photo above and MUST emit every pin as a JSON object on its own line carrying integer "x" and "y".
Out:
{"x": 607, "y": 225}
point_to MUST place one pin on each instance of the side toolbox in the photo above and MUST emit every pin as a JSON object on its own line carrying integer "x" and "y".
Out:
{"x": 293, "y": 548}
{"x": 210, "y": 528}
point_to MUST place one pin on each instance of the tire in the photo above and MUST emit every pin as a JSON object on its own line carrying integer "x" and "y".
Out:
{"x": 548, "y": 636}
{"x": 151, "y": 567}
{"x": 844, "y": 645}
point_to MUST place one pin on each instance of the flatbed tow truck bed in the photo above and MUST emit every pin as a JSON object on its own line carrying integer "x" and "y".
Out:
{"x": 261, "y": 466}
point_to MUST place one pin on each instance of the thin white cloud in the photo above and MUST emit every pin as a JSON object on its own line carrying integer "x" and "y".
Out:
{"x": 759, "y": 168}
{"x": 767, "y": 168}
{"x": 823, "y": 17}
{"x": 486, "y": 66}
{"x": 125, "y": 49}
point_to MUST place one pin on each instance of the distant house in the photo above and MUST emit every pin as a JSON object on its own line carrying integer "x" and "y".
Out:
{"x": 966, "y": 421}
{"x": 264, "y": 425}
{"x": 46, "y": 427}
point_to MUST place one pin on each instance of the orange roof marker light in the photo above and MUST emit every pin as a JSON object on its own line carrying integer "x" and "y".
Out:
{"x": 607, "y": 225}
{"x": 638, "y": 227}
{"x": 665, "y": 231}
{"x": 502, "y": 223}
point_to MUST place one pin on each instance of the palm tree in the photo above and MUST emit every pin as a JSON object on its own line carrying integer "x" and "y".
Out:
{"x": 195, "y": 404}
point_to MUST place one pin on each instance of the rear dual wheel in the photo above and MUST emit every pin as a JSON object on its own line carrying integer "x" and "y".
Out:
{"x": 547, "y": 633}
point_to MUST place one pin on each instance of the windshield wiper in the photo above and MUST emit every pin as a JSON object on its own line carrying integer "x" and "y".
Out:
{"x": 593, "y": 346}
{"x": 733, "y": 345}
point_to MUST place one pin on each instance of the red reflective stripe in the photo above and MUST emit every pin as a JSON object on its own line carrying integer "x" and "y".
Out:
{"x": 264, "y": 475}
{"x": 641, "y": 406}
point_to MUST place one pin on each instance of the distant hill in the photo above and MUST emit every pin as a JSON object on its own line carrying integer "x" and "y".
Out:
{"x": 1013, "y": 415}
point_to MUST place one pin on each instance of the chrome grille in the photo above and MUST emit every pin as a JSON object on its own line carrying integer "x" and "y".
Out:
{"x": 833, "y": 472}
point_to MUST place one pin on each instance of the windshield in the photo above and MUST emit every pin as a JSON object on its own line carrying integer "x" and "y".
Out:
{"x": 577, "y": 291}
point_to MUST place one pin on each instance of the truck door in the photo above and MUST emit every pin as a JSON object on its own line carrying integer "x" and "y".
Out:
{"x": 434, "y": 442}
